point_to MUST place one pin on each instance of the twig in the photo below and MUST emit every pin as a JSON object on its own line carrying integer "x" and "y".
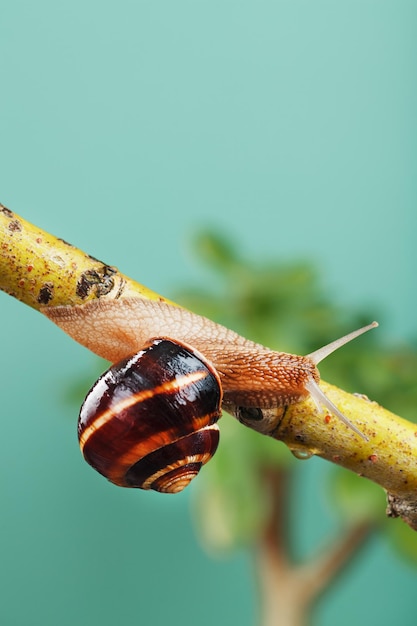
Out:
{"x": 44, "y": 271}
{"x": 287, "y": 589}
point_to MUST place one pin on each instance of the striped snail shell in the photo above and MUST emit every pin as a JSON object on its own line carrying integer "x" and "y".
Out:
{"x": 150, "y": 420}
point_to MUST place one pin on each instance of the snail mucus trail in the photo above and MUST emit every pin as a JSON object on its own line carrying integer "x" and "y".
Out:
{"x": 150, "y": 421}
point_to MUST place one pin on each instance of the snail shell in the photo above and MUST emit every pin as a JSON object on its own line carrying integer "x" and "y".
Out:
{"x": 150, "y": 420}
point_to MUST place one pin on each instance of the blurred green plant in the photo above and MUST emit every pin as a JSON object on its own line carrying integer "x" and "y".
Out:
{"x": 285, "y": 306}
{"x": 242, "y": 497}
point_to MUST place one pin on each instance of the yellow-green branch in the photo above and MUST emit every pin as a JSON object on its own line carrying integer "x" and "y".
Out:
{"x": 43, "y": 271}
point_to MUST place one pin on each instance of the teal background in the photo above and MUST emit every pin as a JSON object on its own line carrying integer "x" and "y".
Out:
{"x": 124, "y": 128}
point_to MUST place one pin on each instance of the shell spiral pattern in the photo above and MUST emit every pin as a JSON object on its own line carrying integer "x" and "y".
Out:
{"x": 150, "y": 420}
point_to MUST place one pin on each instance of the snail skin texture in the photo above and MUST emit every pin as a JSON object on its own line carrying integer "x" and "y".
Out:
{"x": 163, "y": 404}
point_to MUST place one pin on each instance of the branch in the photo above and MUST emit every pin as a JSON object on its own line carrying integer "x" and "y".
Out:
{"x": 388, "y": 458}
{"x": 316, "y": 575}
{"x": 288, "y": 589}
{"x": 282, "y": 598}
{"x": 45, "y": 272}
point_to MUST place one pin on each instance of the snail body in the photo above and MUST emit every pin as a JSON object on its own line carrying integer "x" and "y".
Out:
{"x": 138, "y": 422}
{"x": 250, "y": 373}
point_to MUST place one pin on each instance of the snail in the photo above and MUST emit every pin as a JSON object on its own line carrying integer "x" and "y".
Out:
{"x": 150, "y": 420}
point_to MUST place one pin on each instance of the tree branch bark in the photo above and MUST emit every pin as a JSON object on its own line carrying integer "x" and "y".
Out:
{"x": 43, "y": 271}
{"x": 287, "y": 589}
